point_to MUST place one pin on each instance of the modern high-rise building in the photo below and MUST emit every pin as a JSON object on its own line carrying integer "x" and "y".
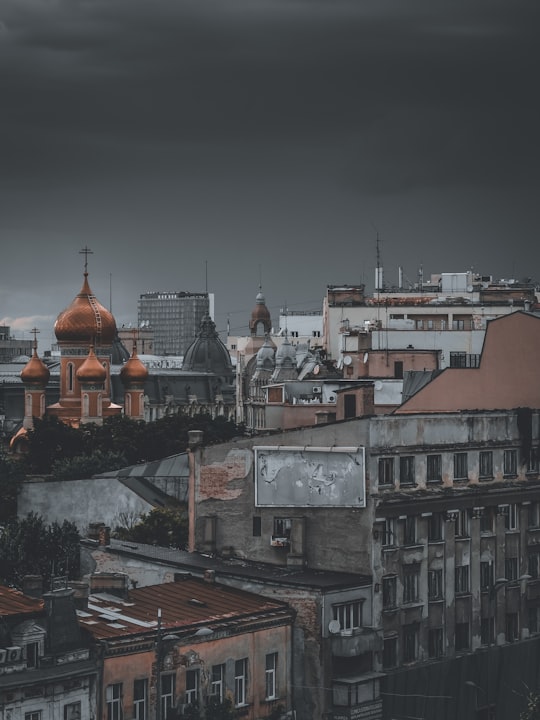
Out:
{"x": 175, "y": 318}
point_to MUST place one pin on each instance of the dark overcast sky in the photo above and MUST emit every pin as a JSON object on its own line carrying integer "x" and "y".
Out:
{"x": 262, "y": 139}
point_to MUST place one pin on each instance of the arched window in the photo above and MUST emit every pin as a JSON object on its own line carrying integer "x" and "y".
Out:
{"x": 99, "y": 403}
{"x": 85, "y": 405}
{"x": 70, "y": 375}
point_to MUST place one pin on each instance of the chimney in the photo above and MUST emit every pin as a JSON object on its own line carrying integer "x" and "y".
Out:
{"x": 93, "y": 530}
{"x": 63, "y": 631}
{"x": 195, "y": 438}
{"x": 81, "y": 590}
{"x": 104, "y": 536}
{"x": 32, "y": 585}
{"x": 210, "y": 576}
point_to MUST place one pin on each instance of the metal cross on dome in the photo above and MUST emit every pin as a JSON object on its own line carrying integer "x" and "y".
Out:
{"x": 86, "y": 252}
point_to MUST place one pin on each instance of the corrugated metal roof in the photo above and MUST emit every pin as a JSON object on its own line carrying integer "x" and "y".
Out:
{"x": 186, "y": 604}
{"x": 13, "y": 602}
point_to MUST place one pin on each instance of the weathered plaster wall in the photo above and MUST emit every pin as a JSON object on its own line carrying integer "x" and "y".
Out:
{"x": 80, "y": 501}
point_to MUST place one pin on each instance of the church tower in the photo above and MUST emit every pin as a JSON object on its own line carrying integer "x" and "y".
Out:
{"x": 35, "y": 376}
{"x": 133, "y": 376}
{"x": 85, "y": 332}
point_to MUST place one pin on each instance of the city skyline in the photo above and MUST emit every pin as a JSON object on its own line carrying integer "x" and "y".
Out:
{"x": 215, "y": 146}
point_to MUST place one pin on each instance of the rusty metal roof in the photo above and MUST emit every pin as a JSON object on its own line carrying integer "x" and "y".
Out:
{"x": 13, "y": 602}
{"x": 186, "y": 605}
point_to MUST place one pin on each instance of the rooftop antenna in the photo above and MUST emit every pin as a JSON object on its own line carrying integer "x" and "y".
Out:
{"x": 206, "y": 276}
{"x": 86, "y": 252}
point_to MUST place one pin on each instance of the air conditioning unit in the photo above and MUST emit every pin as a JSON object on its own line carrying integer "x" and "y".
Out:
{"x": 3, "y": 655}
{"x": 316, "y": 390}
{"x": 13, "y": 654}
{"x": 332, "y": 397}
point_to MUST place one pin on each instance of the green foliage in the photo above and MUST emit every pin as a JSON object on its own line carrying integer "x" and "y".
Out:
{"x": 84, "y": 466}
{"x": 532, "y": 711}
{"x": 51, "y": 442}
{"x": 29, "y": 547}
{"x": 11, "y": 477}
{"x": 166, "y": 527}
{"x": 216, "y": 710}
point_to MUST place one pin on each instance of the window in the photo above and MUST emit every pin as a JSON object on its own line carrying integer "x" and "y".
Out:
{"x": 534, "y": 515}
{"x": 510, "y": 462}
{"x": 510, "y": 513}
{"x": 348, "y": 615}
{"x": 410, "y": 643}
{"x": 435, "y": 643}
{"x": 256, "y": 526}
{"x": 282, "y": 527}
{"x": 435, "y": 527}
{"x": 389, "y": 532}
{"x": 406, "y": 470}
{"x": 270, "y": 676}
{"x": 487, "y": 577}
{"x": 386, "y": 471}
{"x": 485, "y": 464}
{"x": 410, "y": 583}
{"x": 192, "y": 686}
{"x": 409, "y": 530}
{"x": 512, "y": 627}
{"x": 511, "y": 568}
{"x": 487, "y": 631}
{"x": 462, "y": 579}
{"x": 240, "y": 682}
{"x": 461, "y": 469}
{"x": 486, "y": 520}
{"x": 398, "y": 369}
{"x": 458, "y": 324}
{"x": 349, "y": 404}
{"x": 113, "y": 696}
{"x": 72, "y": 711}
{"x": 435, "y": 584}
{"x": 168, "y": 684}
{"x": 389, "y": 652}
{"x": 533, "y": 568}
{"x": 140, "y": 699}
{"x": 70, "y": 376}
{"x": 36, "y": 715}
{"x": 217, "y": 681}
{"x": 32, "y": 654}
{"x": 532, "y": 461}
{"x": 534, "y": 620}
{"x": 462, "y": 636}
{"x": 434, "y": 468}
{"x": 463, "y": 526}
{"x": 389, "y": 587}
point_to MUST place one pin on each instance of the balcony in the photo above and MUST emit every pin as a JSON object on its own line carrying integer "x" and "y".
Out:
{"x": 279, "y": 542}
{"x": 351, "y": 643}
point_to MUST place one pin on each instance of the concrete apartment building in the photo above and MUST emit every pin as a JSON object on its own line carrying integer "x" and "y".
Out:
{"x": 449, "y": 313}
{"x": 174, "y": 318}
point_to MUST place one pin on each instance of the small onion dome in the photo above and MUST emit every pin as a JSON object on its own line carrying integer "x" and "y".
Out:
{"x": 91, "y": 370}
{"x": 265, "y": 355}
{"x": 286, "y": 354}
{"x": 85, "y": 320}
{"x": 134, "y": 370}
{"x": 35, "y": 372}
{"x": 207, "y": 353}
{"x": 260, "y": 315}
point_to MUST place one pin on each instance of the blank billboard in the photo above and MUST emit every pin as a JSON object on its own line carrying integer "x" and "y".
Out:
{"x": 309, "y": 476}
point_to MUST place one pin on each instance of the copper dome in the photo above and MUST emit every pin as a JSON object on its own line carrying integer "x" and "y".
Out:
{"x": 85, "y": 320}
{"x": 134, "y": 370}
{"x": 260, "y": 315}
{"x": 35, "y": 372}
{"x": 91, "y": 370}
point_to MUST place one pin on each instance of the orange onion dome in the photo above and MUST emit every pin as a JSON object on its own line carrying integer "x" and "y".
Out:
{"x": 85, "y": 320}
{"x": 91, "y": 370}
{"x": 35, "y": 372}
{"x": 134, "y": 370}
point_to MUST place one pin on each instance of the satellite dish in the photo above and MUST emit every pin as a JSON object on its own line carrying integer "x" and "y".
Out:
{"x": 316, "y": 370}
{"x": 334, "y": 626}
{"x": 378, "y": 385}
{"x": 347, "y": 360}
{"x": 366, "y": 355}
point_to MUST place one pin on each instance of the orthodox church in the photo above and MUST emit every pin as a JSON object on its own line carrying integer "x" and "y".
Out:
{"x": 98, "y": 379}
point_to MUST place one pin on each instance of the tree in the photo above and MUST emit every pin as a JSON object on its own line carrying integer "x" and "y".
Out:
{"x": 11, "y": 477}
{"x": 29, "y": 547}
{"x": 167, "y": 527}
{"x": 84, "y": 466}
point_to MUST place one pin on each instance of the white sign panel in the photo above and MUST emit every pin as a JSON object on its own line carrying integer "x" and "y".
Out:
{"x": 309, "y": 476}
